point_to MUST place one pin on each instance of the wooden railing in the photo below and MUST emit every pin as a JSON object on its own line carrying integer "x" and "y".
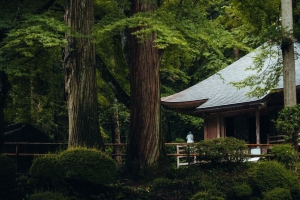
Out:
{"x": 277, "y": 139}
{"x": 62, "y": 146}
{"x": 17, "y": 150}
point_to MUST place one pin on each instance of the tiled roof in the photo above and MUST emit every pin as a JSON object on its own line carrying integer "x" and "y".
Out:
{"x": 217, "y": 90}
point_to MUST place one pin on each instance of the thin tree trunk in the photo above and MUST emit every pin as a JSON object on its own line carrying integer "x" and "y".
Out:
{"x": 236, "y": 54}
{"x": 120, "y": 94}
{"x": 4, "y": 88}
{"x": 116, "y": 133}
{"x": 80, "y": 76}
{"x": 145, "y": 146}
{"x": 289, "y": 80}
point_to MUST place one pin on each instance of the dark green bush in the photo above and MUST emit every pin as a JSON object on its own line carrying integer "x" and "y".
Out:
{"x": 88, "y": 165}
{"x": 278, "y": 194}
{"x": 270, "y": 175}
{"x": 205, "y": 196}
{"x": 222, "y": 150}
{"x": 209, "y": 186}
{"x": 161, "y": 182}
{"x": 285, "y": 154}
{"x": 46, "y": 172}
{"x": 47, "y": 196}
{"x": 242, "y": 191}
{"x": 7, "y": 176}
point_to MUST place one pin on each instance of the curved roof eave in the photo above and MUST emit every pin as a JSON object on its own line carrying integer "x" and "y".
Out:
{"x": 184, "y": 105}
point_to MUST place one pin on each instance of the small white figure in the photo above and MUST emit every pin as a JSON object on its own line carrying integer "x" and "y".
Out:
{"x": 190, "y": 138}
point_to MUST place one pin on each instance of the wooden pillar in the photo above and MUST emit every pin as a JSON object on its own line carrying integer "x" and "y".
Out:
{"x": 218, "y": 126}
{"x": 222, "y": 127}
{"x": 257, "y": 126}
{"x": 205, "y": 129}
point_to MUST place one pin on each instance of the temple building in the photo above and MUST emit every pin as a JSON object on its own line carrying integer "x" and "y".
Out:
{"x": 227, "y": 110}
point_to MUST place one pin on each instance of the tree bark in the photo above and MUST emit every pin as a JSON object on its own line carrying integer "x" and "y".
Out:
{"x": 80, "y": 76}
{"x": 4, "y": 88}
{"x": 116, "y": 138}
{"x": 145, "y": 146}
{"x": 289, "y": 79}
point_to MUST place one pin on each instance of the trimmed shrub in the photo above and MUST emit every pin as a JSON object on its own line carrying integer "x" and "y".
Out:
{"x": 7, "y": 176}
{"x": 88, "y": 165}
{"x": 242, "y": 191}
{"x": 47, "y": 196}
{"x": 278, "y": 194}
{"x": 46, "y": 172}
{"x": 285, "y": 154}
{"x": 205, "y": 196}
{"x": 270, "y": 175}
{"x": 161, "y": 182}
{"x": 219, "y": 150}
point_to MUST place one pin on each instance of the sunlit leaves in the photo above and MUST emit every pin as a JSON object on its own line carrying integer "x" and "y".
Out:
{"x": 268, "y": 67}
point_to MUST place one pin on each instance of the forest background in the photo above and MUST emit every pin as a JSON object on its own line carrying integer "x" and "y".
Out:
{"x": 195, "y": 40}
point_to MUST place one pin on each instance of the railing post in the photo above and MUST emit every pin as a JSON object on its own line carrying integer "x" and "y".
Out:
{"x": 17, "y": 156}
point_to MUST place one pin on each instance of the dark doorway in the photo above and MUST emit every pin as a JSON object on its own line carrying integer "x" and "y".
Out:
{"x": 229, "y": 126}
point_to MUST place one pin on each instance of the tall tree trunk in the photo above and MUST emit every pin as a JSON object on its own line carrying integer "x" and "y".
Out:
{"x": 80, "y": 76}
{"x": 145, "y": 145}
{"x": 116, "y": 133}
{"x": 4, "y": 88}
{"x": 289, "y": 80}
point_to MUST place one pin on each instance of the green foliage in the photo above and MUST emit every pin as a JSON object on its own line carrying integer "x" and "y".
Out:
{"x": 48, "y": 196}
{"x": 285, "y": 154}
{"x": 278, "y": 194}
{"x": 267, "y": 65}
{"x": 242, "y": 191}
{"x": 205, "y": 196}
{"x": 31, "y": 38}
{"x": 37, "y": 33}
{"x": 222, "y": 150}
{"x": 7, "y": 177}
{"x": 288, "y": 121}
{"x": 46, "y": 173}
{"x": 270, "y": 175}
{"x": 88, "y": 165}
{"x": 161, "y": 182}
{"x": 178, "y": 125}
{"x": 252, "y": 21}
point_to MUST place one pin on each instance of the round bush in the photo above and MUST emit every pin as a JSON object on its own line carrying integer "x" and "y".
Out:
{"x": 243, "y": 190}
{"x": 270, "y": 175}
{"x": 47, "y": 196}
{"x": 88, "y": 165}
{"x": 285, "y": 154}
{"x": 7, "y": 176}
{"x": 219, "y": 150}
{"x": 46, "y": 172}
{"x": 205, "y": 196}
{"x": 161, "y": 182}
{"x": 278, "y": 194}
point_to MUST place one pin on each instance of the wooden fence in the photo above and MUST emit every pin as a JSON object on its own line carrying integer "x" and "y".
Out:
{"x": 61, "y": 146}
{"x": 20, "y": 150}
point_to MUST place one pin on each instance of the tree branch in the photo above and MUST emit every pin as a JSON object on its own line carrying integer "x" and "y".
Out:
{"x": 120, "y": 94}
